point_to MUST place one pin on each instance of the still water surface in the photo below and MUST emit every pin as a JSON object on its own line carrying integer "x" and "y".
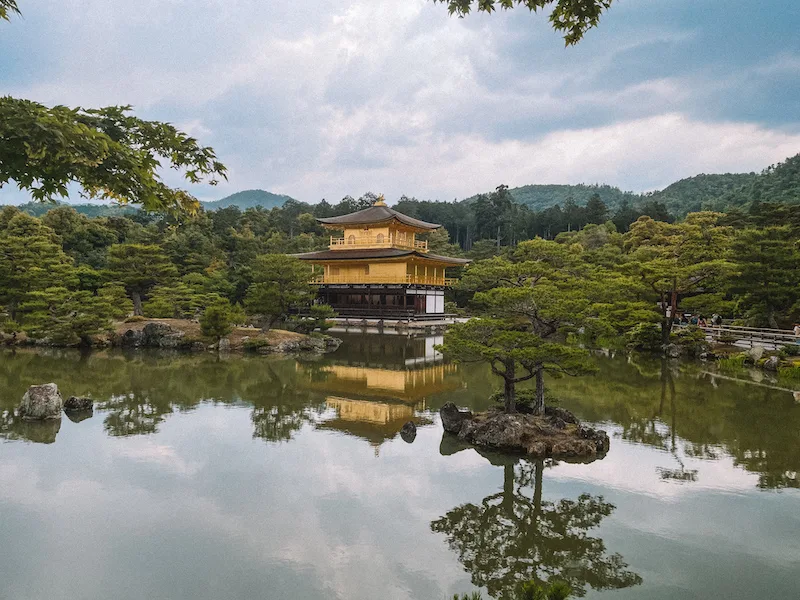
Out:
{"x": 201, "y": 477}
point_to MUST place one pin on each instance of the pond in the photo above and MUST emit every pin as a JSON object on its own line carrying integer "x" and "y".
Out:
{"x": 205, "y": 477}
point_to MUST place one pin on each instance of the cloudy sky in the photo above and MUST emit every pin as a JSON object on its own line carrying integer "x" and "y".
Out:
{"x": 322, "y": 98}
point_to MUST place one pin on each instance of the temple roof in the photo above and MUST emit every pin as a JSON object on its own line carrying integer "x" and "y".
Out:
{"x": 379, "y": 213}
{"x": 367, "y": 253}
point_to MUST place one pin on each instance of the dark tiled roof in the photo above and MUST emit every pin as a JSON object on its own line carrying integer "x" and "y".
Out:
{"x": 377, "y": 214}
{"x": 377, "y": 253}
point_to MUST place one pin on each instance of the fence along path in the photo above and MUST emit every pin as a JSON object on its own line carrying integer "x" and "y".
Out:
{"x": 772, "y": 339}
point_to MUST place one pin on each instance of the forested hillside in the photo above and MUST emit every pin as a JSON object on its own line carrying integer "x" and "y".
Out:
{"x": 65, "y": 276}
{"x": 701, "y": 191}
{"x": 776, "y": 183}
{"x": 248, "y": 199}
{"x": 540, "y": 197}
{"x": 37, "y": 209}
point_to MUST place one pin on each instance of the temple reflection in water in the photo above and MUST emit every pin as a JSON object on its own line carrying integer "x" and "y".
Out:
{"x": 375, "y": 384}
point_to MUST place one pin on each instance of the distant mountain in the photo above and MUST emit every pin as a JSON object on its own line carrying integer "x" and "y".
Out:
{"x": 37, "y": 209}
{"x": 776, "y": 183}
{"x": 539, "y": 197}
{"x": 700, "y": 192}
{"x": 248, "y": 199}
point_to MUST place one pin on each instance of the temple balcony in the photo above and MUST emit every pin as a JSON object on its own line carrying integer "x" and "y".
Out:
{"x": 353, "y": 242}
{"x": 382, "y": 279}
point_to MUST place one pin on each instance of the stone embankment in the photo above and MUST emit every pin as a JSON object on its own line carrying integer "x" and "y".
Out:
{"x": 556, "y": 434}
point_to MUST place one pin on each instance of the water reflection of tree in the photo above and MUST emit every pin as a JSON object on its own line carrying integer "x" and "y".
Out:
{"x": 683, "y": 409}
{"x": 280, "y": 407}
{"x": 515, "y": 536}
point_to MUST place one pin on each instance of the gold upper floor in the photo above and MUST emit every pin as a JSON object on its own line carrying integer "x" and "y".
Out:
{"x": 388, "y": 236}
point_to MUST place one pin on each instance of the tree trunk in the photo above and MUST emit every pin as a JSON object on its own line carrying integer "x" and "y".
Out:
{"x": 538, "y": 406}
{"x": 537, "y": 487}
{"x": 771, "y": 320}
{"x": 267, "y": 323}
{"x": 508, "y": 489}
{"x": 666, "y": 321}
{"x": 137, "y": 303}
{"x": 510, "y": 388}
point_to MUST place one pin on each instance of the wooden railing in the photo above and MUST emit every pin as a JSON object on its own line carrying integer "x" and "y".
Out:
{"x": 749, "y": 335}
{"x": 381, "y": 279}
{"x": 372, "y": 242}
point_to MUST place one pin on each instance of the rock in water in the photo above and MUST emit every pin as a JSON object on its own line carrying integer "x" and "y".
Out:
{"x": 41, "y": 402}
{"x": 76, "y": 416}
{"x": 75, "y": 403}
{"x": 452, "y": 418}
{"x": 557, "y": 434}
{"x": 409, "y": 432}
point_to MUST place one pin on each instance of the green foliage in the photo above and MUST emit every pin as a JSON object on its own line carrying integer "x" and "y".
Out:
{"x": 113, "y": 294}
{"x": 514, "y": 353}
{"x": 7, "y": 8}
{"x": 733, "y": 362}
{"x": 691, "y": 339}
{"x": 318, "y": 315}
{"x": 767, "y": 289}
{"x": 256, "y": 344}
{"x": 31, "y": 259}
{"x": 217, "y": 319}
{"x": 791, "y": 373}
{"x": 472, "y": 596}
{"x": 790, "y": 350}
{"x": 66, "y": 317}
{"x": 558, "y": 590}
{"x": 573, "y": 18}
{"x": 645, "y": 337}
{"x": 280, "y": 282}
{"x": 108, "y": 152}
{"x": 139, "y": 267}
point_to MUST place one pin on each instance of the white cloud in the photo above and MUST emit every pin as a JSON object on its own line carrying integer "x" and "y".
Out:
{"x": 325, "y": 98}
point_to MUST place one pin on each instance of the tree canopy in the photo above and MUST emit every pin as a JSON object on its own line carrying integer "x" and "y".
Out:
{"x": 573, "y": 18}
{"x": 7, "y": 8}
{"x": 108, "y": 152}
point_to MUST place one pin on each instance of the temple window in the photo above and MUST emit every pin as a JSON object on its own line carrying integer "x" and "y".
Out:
{"x": 379, "y": 238}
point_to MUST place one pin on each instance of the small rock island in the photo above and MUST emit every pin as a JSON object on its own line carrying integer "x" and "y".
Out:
{"x": 555, "y": 434}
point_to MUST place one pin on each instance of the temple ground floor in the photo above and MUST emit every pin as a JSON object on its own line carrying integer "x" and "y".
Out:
{"x": 390, "y": 301}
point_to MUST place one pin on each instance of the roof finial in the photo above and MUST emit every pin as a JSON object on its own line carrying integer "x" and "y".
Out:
{"x": 381, "y": 201}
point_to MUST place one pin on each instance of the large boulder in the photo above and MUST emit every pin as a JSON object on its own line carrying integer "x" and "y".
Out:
{"x": 315, "y": 344}
{"x": 41, "y": 402}
{"x": 452, "y": 418}
{"x": 496, "y": 431}
{"x": 153, "y": 335}
{"x": 557, "y": 433}
{"x": 76, "y": 403}
{"x": 754, "y": 354}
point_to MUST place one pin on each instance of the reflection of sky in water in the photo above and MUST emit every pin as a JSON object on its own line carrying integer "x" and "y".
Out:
{"x": 202, "y": 509}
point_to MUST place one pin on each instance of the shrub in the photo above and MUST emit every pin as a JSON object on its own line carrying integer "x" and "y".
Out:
{"x": 645, "y": 337}
{"x": 256, "y": 344}
{"x": 728, "y": 339}
{"x": 692, "y": 339}
{"x": 215, "y": 321}
{"x": 135, "y": 319}
{"x": 792, "y": 373}
{"x": 790, "y": 350}
{"x": 731, "y": 363}
{"x": 525, "y": 398}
